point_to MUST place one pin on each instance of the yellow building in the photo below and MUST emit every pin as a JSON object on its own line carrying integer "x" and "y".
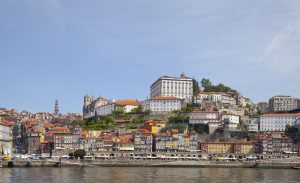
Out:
{"x": 219, "y": 148}
{"x": 228, "y": 147}
{"x": 155, "y": 126}
{"x": 245, "y": 148}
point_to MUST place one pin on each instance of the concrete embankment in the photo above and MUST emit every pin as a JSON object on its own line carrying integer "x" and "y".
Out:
{"x": 165, "y": 163}
{"x": 149, "y": 163}
{"x": 29, "y": 163}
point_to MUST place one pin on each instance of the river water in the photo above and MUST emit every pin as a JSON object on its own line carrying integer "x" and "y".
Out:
{"x": 145, "y": 175}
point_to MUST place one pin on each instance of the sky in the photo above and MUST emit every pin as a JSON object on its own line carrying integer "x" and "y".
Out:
{"x": 64, "y": 49}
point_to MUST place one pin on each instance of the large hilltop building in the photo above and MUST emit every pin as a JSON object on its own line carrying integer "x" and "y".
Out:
{"x": 166, "y": 86}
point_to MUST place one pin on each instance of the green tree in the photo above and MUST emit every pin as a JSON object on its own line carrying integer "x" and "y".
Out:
{"x": 291, "y": 129}
{"x": 187, "y": 110}
{"x": 248, "y": 106}
{"x": 118, "y": 113}
{"x": 205, "y": 83}
{"x": 78, "y": 122}
{"x": 147, "y": 111}
{"x": 109, "y": 119}
{"x": 79, "y": 153}
{"x": 138, "y": 110}
{"x": 181, "y": 127}
{"x": 196, "y": 87}
{"x": 297, "y": 140}
{"x": 209, "y": 87}
{"x": 178, "y": 119}
{"x": 258, "y": 112}
{"x": 199, "y": 128}
{"x": 132, "y": 126}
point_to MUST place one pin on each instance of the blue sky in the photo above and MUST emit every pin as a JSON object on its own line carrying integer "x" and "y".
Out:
{"x": 65, "y": 49}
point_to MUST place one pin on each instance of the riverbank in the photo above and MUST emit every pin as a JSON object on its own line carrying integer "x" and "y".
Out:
{"x": 150, "y": 163}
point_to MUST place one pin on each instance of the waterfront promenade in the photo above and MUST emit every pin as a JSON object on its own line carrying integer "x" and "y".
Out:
{"x": 289, "y": 162}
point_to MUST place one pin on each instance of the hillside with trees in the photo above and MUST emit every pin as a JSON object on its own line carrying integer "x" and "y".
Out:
{"x": 207, "y": 86}
{"x": 137, "y": 117}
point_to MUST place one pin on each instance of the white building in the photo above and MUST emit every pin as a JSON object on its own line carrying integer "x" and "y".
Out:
{"x": 160, "y": 104}
{"x": 105, "y": 109}
{"x": 204, "y": 117}
{"x": 252, "y": 127}
{"x": 125, "y": 105}
{"x": 277, "y": 122}
{"x": 221, "y": 97}
{"x": 5, "y": 140}
{"x": 180, "y": 87}
{"x": 207, "y": 96}
{"x": 227, "y": 98}
{"x": 233, "y": 119}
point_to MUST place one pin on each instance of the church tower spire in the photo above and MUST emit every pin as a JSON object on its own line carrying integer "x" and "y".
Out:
{"x": 56, "y": 109}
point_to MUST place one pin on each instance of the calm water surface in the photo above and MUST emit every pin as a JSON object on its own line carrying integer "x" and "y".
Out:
{"x": 141, "y": 175}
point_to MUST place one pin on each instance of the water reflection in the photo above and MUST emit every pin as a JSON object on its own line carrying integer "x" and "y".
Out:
{"x": 140, "y": 175}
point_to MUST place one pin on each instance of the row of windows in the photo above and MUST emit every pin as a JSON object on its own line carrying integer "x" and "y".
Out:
{"x": 279, "y": 126}
{"x": 178, "y": 82}
{"x": 177, "y": 87}
{"x": 166, "y": 101}
{"x": 63, "y": 137}
{"x": 185, "y": 90}
{"x": 264, "y": 118}
{"x": 164, "y": 105}
{"x": 180, "y": 96}
{"x": 163, "y": 109}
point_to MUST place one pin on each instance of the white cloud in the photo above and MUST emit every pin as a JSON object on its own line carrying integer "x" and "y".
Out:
{"x": 282, "y": 54}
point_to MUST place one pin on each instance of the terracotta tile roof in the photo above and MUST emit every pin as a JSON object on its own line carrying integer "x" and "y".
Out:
{"x": 6, "y": 123}
{"x": 127, "y": 102}
{"x": 49, "y": 134}
{"x": 164, "y": 97}
{"x": 205, "y": 119}
{"x": 142, "y": 131}
{"x": 205, "y": 112}
{"x": 60, "y": 129}
{"x": 174, "y": 130}
{"x": 280, "y": 115}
